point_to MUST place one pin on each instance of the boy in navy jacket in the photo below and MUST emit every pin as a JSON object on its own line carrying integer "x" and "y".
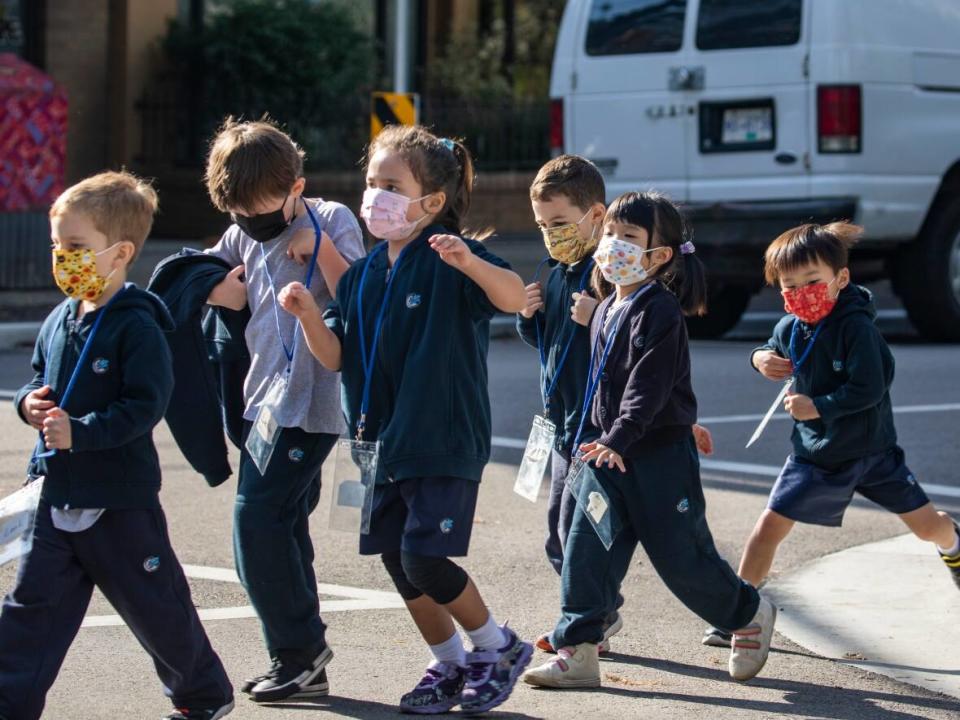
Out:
{"x": 102, "y": 380}
{"x": 840, "y": 369}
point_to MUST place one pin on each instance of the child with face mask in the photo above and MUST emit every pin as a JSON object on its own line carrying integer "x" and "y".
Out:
{"x": 567, "y": 196}
{"x": 840, "y": 370}
{"x": 292, "y": 416}
{"x": 103, "y": 376}
{"x": 409, "y": 331}
{"x": 639, "y": 480}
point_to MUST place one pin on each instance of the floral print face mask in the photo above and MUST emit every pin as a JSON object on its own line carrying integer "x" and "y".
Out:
{"x": 810, "y": 303}
{"x": 565, "y": 244}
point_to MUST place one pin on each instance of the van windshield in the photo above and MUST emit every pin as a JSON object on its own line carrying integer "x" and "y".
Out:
{"x": 727, "y": 24}
{"x": 624, "y": 27}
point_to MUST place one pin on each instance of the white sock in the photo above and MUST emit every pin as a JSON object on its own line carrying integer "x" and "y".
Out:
{"x": 953, "y": 549}
{"x": 450, "y": 651}
{"x": 488, "y": 636}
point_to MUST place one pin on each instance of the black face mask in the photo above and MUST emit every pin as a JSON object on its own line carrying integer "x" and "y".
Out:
{"x": 263, "y": 227}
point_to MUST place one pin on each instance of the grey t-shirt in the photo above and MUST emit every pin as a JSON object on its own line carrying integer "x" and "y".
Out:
{"x": 312, "y": 400}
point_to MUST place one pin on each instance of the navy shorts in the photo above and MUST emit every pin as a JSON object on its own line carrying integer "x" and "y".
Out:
{"x": 808, "y": 493}
{"x": 430, "y": 516}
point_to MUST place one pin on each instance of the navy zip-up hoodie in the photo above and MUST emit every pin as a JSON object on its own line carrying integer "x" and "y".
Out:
{"x": 429, "y": 402}
{"x": 644, "y": 395}
{"x": 848, "y": 375}
{"x": 120, "y": 394}
{"x": 557, "y": 327}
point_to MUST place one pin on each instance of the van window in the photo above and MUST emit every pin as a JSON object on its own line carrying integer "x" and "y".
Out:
{"x": 624, "y": 27}
{"x": 725, "y": 24}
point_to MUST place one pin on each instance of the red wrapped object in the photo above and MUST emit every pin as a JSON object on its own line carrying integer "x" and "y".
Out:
{"x": 33, "y": 136}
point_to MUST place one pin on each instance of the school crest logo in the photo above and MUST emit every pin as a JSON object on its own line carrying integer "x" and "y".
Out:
{"x": 100, "y": 365}
{"x": 413, "y": 300}
{"x": 838, "y": 365}
{"x": 639, "y": 341}
{"x": 295, "y": 454}
{"x": 683, "y": 505}
{"x": 151, "y": 564}
{"x": 446, "y": 526}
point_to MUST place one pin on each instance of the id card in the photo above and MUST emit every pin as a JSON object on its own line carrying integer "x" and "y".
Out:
{"x": 533, "y": 466}
{"x": 263, "y": 435}
{"x": 18, "y": 513}
{"x": 586, "y": 489}
{"x": 355, "y": 468}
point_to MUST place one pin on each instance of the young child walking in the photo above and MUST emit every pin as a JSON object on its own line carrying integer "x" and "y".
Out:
{"x": 103, "y": 376}
{"x": 410, "y": 330}
{"x": 840, "y": 371}
{"x": 568, "y": 196}
{"x": 255, "y": 172}
{"x": 641, "y": 477}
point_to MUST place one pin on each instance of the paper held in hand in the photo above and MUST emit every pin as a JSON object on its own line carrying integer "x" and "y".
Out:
{"x": 773, "y": 408}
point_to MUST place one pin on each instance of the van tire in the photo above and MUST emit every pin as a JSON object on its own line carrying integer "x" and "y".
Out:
{"x": 928, "y": 276}
{"x": 725, "y": 306}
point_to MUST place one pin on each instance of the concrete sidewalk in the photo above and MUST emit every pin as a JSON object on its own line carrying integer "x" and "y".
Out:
{"x": 889, "y": 607}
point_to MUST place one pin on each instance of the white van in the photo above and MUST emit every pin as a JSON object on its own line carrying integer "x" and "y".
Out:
{"x": 758, "y": 115}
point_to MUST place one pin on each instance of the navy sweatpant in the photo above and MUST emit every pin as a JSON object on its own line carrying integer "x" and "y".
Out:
{"x": 127, "y": 554}
{"x": 271, "y": 540}
{"x": 660, "y": 504}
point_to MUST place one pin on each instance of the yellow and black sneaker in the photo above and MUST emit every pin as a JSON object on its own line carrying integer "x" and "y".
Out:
{"x": 953, "y": 562}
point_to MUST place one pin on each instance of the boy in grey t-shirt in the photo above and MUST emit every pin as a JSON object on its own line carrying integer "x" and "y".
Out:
{"x": 255, "y": 172}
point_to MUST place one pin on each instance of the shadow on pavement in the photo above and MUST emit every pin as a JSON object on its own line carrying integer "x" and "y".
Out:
{"x": 367, "y": 709}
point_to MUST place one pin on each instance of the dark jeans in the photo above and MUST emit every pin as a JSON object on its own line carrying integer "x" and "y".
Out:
{"x": 271, "y": 539}
{"x": 126, "y": 554}
{"x": 660, "y": 504}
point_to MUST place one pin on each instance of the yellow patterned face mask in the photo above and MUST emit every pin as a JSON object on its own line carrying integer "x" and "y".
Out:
{"x": 565, "y": 244}
{"x": 75, "y": 273}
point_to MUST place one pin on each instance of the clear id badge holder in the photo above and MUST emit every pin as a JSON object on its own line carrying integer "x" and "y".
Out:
{"x": 536, "y": 455}
{"x": 18, "y": 513}
{"x": 262, "y": 438}
{"x": 355, "y": 467}
{"x": 586, "y": 489}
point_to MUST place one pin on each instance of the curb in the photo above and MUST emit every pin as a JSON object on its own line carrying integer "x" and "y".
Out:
{"x": 18, "y": 334}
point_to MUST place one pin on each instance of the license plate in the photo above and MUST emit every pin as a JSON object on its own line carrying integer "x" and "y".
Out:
{"x": 747, "y": 125}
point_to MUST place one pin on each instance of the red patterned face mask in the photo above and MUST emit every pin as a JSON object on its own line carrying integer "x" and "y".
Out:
{"x": 810, "y": 303}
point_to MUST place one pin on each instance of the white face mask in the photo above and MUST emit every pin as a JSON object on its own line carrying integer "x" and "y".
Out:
{"x": 619, "y": 261}
{"x": 385, "y": 214}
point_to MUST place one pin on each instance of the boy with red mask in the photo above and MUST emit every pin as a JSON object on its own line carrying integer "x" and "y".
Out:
{"x": 840, "y": 369}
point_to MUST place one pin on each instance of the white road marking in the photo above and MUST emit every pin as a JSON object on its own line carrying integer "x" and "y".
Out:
{"x": 764, "y": 315}
{"x": 899, "y": 410}
{"x": 354, "y": 599}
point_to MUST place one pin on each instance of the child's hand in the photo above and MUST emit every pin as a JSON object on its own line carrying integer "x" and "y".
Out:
{"x": 297, "y": 300}
{"x": 704, "y": 440}
{"x": 582, "y": 309}
{"x": 300, "y": 247}
{"x": 56, "y": 430}
{"x": 453, "y": 251}
{"x": 800, "y": 407}
{"x": 534, "y": 300}
{"x": 601, "y": 454}
{"x": 34, "y": 407}
{"x": 771, "y": 365}
{"x": 231, "y": 292}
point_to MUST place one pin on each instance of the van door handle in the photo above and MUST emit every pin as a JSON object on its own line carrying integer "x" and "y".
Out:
{"x": 686, "y": 78}
{"x": 785, "y": 158}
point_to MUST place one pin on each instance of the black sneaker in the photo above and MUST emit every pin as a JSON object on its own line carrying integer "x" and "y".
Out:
{"x": 318, "y": 687}
{"x": 491, "y": 674}
{"x": 290, "y": 676}
{"x": 437, "y": 692}
{"x": 715, "y": 637}
{"x": 953, "y": 562}
{"x": 201, "y": 713}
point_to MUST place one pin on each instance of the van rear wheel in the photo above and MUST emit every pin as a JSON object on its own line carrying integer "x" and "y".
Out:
{"x": 928, "y": 276}
{"x": 725, "y": 306}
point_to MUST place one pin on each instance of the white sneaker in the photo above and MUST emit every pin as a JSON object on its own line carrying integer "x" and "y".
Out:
{"x": 751, "y": 644}
{"x": 573, "y": 667}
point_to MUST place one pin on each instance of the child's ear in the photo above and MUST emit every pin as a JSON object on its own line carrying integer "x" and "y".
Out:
{"x": 435, "y": 202}
{"x": 597, "y": 212}
{"x": 843, "y": 278}
{"x": 297, "y": 189}
{"x": 125, "y": 252}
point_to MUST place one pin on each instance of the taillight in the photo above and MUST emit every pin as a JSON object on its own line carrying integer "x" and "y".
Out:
{"x": 839, "y": 118}
{"x": 556, "y": 126}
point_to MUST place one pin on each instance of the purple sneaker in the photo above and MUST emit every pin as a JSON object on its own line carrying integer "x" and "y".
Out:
{"x": 437, "y": 692}
{"x": 491, "y": 674}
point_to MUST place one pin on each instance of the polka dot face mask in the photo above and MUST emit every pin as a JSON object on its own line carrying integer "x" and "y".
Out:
{"x": 619, "y": 261}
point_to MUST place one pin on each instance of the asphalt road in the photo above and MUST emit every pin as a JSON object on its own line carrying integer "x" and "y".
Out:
{"x": 658, "y": 669}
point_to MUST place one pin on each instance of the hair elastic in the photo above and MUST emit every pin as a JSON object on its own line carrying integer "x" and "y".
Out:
{"x": 688, "y": 248}
{"x": 447, "y": 143}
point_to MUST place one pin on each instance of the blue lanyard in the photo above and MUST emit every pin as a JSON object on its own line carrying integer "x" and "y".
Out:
{"x": 547, "y": 390}
{"x": 794, "y": 334}
{"x": 369, "y": 357}
{"x": 81, "y": 362}
{"x": 593, "y": 378}
{"x": 289, "y": 351}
